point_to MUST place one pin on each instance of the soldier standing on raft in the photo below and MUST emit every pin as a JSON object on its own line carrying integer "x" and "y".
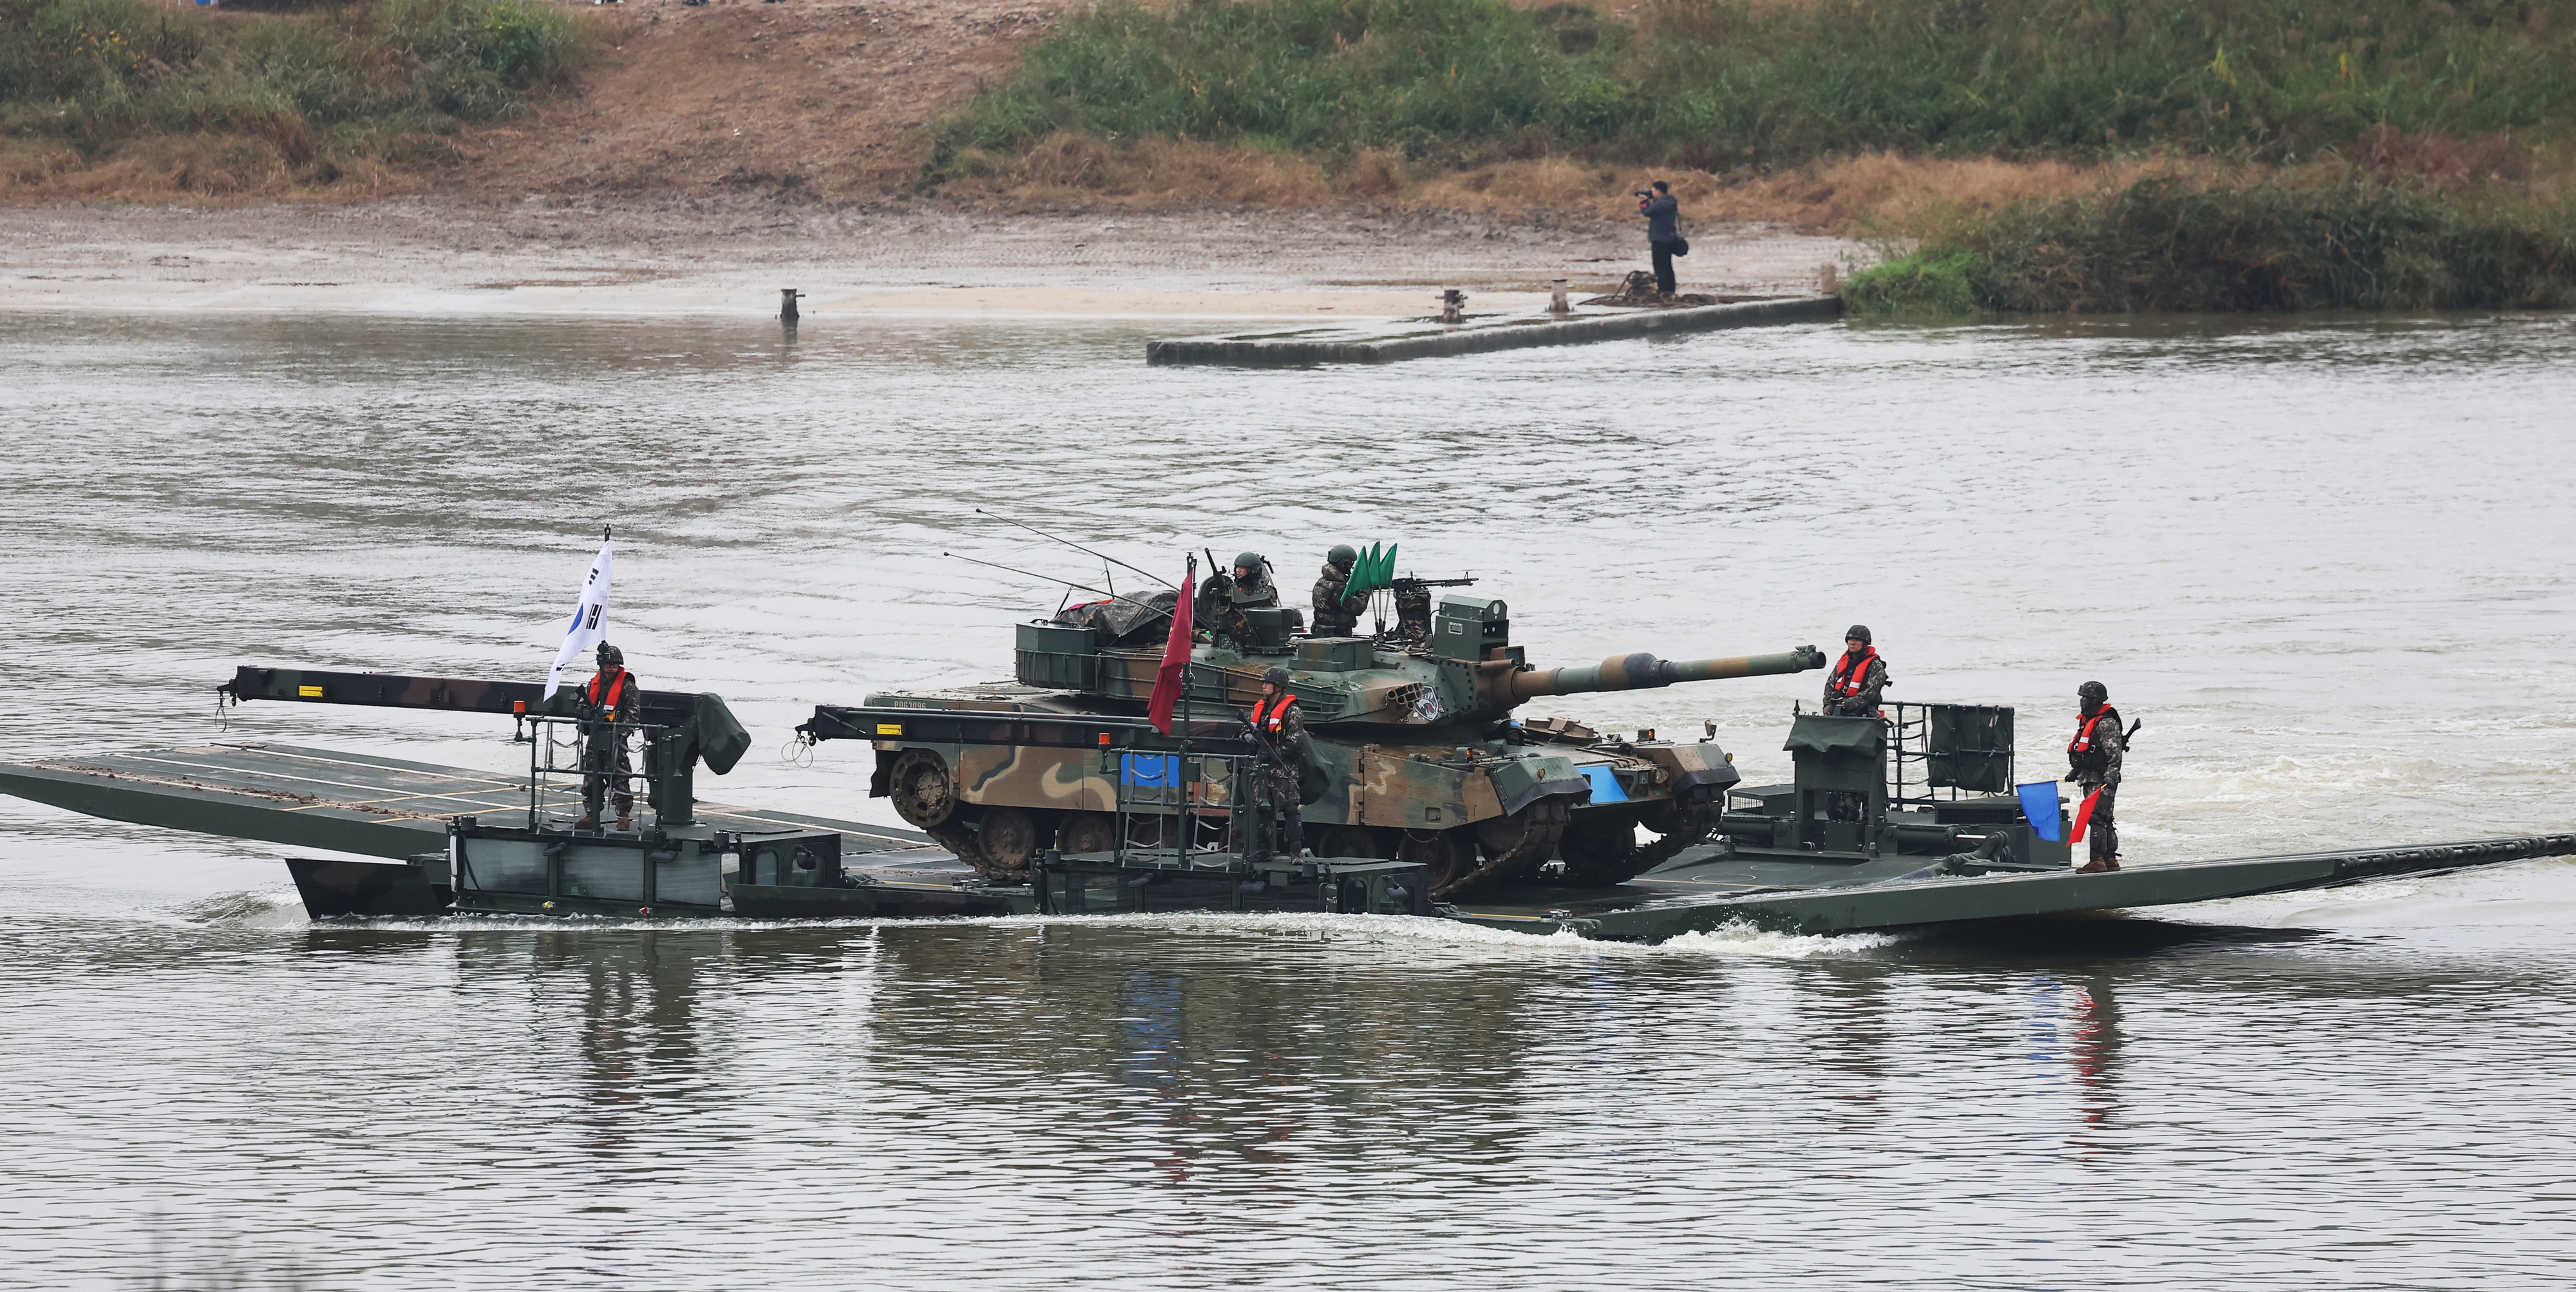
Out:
{"x": 1276, "y": 721}
{"x": 612, "y": 695}
{"x": 1851, "y": 689}
{"x": 1335, "y": 614}
{"x": 2094, "y": 757}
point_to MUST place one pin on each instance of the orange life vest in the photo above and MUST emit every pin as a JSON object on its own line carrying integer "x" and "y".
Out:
{"x": 1269, "y": 723}
{"x": 1853, "y": 672}
{"x": 2081, "y": 753}
{"x": 621, "y": 689}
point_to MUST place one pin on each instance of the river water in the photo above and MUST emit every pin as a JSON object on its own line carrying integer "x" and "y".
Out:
{"x": 2324, "y": 560}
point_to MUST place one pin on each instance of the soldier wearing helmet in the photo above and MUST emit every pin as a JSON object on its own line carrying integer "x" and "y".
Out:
{"x": 1853, "y": 683}
{"x": 2093, "y": 758}
{"x": 1337, "y": 615}
{"x": 1276, "y": 722}
{"x": 613, "y": 697}
{"x": 1226, "y": 599}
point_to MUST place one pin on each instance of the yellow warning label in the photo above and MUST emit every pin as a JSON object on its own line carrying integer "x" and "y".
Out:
{"x": 308, "y": 693}
{"x": 889, "y": 729}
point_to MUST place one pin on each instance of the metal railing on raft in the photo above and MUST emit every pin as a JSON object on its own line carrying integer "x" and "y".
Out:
{"x": 547, "y": 750}
{"x": 1972, "y": 756}
{"x": 1190, "y": 811}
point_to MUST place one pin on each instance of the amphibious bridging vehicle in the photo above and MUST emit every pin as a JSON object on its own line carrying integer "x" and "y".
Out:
{"x": 1884, "y": 825}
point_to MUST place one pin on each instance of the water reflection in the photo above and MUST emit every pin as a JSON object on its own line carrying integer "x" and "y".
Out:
{"x": 2093, "y": 1050}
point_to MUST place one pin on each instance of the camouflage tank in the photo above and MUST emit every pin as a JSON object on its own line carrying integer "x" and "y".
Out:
{"x": 1411, "y": 754}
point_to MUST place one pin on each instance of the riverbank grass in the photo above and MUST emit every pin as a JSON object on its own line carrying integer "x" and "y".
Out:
{"x": 1729, "y": 84}
{"x": 2162, "y": 244}
{"x": 218, "y": 102}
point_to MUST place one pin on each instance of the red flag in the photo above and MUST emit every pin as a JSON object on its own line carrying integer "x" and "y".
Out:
{"x": 1174, "y": 673}
{"x": 2083, "y": 815}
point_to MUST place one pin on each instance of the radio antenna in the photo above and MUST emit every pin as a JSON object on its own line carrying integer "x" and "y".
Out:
{"x": 1079, "y": 548}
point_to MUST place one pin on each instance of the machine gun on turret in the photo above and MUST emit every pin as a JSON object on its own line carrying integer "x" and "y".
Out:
{"x": 1412, "y": 595}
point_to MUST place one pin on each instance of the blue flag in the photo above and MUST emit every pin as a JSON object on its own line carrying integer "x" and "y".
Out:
{"x": 2039, "y": 807}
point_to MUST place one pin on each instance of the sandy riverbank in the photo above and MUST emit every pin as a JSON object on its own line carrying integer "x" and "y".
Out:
{"x": 732, "y": 255}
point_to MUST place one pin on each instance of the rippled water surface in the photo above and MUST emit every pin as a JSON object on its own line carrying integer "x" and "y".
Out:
{"x": 2324, "y": 560}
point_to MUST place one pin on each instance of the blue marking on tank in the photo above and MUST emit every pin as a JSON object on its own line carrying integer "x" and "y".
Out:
{"x": 1605, "y": 785}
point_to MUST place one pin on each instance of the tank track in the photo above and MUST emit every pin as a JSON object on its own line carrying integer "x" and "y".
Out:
{"x": 1619, "y": 868}
{"x": 955, "y": 837}
{"x": 1520, "y": 860}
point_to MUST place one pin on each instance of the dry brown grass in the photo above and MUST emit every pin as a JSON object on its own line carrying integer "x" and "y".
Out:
{"x": 200, "y": 168}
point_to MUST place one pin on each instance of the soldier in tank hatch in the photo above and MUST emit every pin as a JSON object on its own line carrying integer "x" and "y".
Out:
{"x": 1225, "y": 599}
{"x": 613, "y": 696}
{"x": 1853, "y": 684}
{"x": 2093, "y": 758}
{"x": 1335, "y": 614}
{"x": 1275, "y": 720}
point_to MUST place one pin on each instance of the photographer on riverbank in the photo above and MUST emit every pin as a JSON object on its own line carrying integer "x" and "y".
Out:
{"x": 1663, "y": 230}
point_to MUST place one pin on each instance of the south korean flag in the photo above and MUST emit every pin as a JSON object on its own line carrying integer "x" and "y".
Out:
{"x": 589, "y": 618}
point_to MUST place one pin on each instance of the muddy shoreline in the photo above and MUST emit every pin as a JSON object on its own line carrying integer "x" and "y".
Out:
{"x": 551, "y": 254}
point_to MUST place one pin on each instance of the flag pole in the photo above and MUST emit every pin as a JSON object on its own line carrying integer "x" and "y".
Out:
{"x": 1187, "y": 820}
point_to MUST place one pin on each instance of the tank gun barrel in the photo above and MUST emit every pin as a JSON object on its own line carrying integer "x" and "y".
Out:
{"x": 1643, "y": 671}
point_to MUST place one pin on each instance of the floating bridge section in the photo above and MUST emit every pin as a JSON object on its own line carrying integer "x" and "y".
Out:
{"x": 328, "y": 798}
{"x": 387, "y": 807}
{"x": 1425, "y": 338}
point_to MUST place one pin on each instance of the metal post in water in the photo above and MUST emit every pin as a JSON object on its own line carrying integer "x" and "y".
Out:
{"x": 787, "y": 304}
{"x": 1556, "y": 302}
{"x": 1453, "y": 305}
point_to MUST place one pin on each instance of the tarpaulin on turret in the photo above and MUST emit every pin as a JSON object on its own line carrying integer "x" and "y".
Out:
{"x": 1119, "y": 618}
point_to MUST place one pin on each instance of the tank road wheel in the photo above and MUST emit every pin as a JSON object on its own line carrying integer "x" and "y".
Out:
{"x": 1087, "y": 832}
{"x": 923, "y": 792}
{"x": 1008, "y": 838}
{"x": 1516, "y": 846}
{"x": 1504, "y": 848}
{"x": 1447, "y": 858}
{"x": 1348, "y": 841}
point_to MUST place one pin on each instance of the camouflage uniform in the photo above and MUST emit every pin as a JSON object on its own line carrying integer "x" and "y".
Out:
{"x": 604, "y": 757}
{"x": 2102, "y": 772}
{"x": 1335, "y": 614}
{"x": 1283, "y": 724}
{"x": 1864, "y": 702}
{"x": 1227, "y": 599}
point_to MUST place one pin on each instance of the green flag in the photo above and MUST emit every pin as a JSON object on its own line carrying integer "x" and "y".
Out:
{"x": 1374, "y": 569}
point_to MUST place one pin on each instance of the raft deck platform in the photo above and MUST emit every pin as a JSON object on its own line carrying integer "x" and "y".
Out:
{"x": 1423, "y": 338}
{"x": 387, "y": 807}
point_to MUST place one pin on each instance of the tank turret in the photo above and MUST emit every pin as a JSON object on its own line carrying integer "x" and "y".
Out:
{"x": 1464, "y": 671}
